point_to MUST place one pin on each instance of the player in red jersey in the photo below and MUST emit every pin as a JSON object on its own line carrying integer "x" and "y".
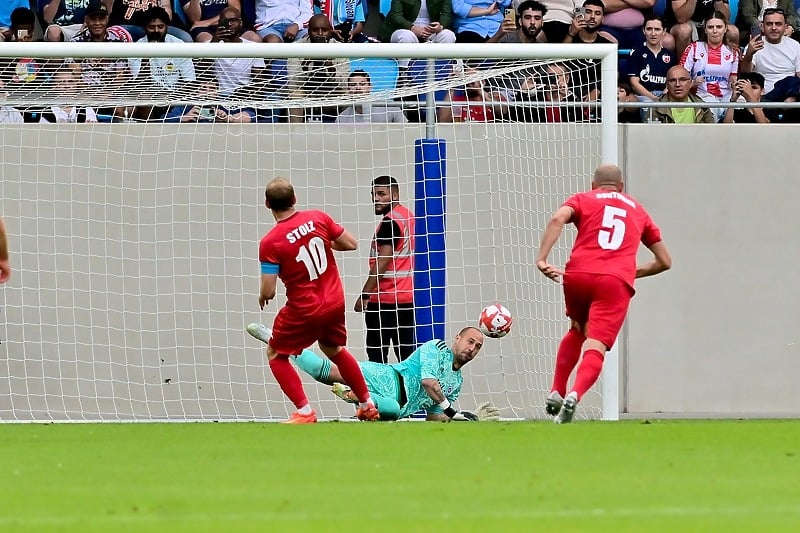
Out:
{"x": 598, "y": 278}
{"x": 299, "y": 250}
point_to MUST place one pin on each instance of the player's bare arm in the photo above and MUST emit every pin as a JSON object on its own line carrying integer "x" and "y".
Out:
{"x": 661, "y": 261}
{"x": 345, "y": 242}
{"x": 268, "y": 284}
{"x": 5, "y": 265}
{"x": 376, "y": 271}
{"x": 551, "y": 234}
{"x": 434, "y": 390}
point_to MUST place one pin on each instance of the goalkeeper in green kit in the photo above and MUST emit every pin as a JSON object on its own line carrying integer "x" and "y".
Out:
{"x": 429, "y": 379}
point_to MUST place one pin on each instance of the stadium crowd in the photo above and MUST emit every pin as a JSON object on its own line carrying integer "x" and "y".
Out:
{"x": 706, "y": 51}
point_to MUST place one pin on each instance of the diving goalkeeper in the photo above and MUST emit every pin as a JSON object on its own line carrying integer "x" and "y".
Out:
{"x": 429, "y": 379}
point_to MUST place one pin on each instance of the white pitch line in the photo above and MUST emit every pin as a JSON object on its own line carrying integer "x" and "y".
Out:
{"x": 129, "y": 517}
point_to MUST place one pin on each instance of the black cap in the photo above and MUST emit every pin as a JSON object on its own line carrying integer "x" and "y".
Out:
{"x": 96, "y": 7}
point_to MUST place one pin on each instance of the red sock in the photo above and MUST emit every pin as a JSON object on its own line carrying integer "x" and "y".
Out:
{"x": 569, "y": 351}
{"x": 287, "y": 378}
{"x": 351, "y": 373}
{"x": 588, "y": 371}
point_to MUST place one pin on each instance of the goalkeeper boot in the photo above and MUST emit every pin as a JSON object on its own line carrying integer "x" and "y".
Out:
{"x": 552, "y": 405}
{"x": 567, "y": 412}
{"x": 260, "y": 332}
{"x": 297, "y": 418}
{"x": 369, "y": 413}
{"x": 344, "y": 392}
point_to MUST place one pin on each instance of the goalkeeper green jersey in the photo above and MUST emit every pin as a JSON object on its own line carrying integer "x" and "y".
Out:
{"x": 433, "y": 359}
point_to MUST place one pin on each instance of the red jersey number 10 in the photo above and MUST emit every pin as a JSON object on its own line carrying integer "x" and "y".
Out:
{"x": 314, "y": 258}
{"x": 611, "y": 237}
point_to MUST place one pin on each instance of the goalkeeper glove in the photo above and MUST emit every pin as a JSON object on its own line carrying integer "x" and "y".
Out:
{"x": 488, "y": 412}
{"x": 458, "y": 416}
{"x": 464, "y": 416}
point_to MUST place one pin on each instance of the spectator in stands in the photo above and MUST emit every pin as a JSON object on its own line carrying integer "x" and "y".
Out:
{"x": 623, "y": 20}
{"x": 280, "y": 21}
{"x": 66, "y": 88}
{"x": 648, "y": 65}
{"x": 23, "y": 24}
{"x": 130, "y": 14}
{"x": 97, "y": 28}
{"x": 685, "y": 20}
{"x": 203, "y": 16}
{"x": 748, "y": 88}
{"x": 771, "y": 53}
{"x": 712, "y": 64}
{"x": 525, "y": 27}
{"x": 317, "y": 78}
{"x": 348, "y": 18}
{"x": 777, "y": 58}
{"x": 6, "y": 8}
{"x": 164, "y": 73}
{"x": 475, "y": 21}
{"x": 62, "y": 18}
{"x": 751, "y": 12}
{"x": 158, "y": 74}
{"x": 207, "y": 90}
{"x": 359, "y": 85}
{"x": 627, "y": 115}
{"x": 10, "y": 115}
{"x": 557, "y": 20}
{"x": 551, "y": 88}
{"x": 473, "y": 102}
{"x": 585, "y": 27}
{"x": 240, "y": 76}
{"x": 102, "y": 76}
{"x": 417, "y": 21}
{"x": 679, "y": 85}
{"x": 21, "y": 73}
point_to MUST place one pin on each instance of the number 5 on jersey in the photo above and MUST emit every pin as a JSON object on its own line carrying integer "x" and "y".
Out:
{"x": 611, "y": 238}
{"x": 313, "y": 257}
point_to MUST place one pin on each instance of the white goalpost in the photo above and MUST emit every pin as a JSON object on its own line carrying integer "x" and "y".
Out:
{"x": 134, "y": 241}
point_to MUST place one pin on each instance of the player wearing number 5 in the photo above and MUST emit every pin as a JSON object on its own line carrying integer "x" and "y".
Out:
{"x": 299, "y": 250}
{"x": 598, "y": 278}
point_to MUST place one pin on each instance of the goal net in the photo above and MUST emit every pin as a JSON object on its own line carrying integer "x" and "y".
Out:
{"x": 133, "y": 199}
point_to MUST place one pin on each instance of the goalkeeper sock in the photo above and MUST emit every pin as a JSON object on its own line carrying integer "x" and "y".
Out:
{"x": 287, "y": 378}
{"x": 588, "y": 371}
{"x": 569, "y": 351}
{"x": 387, "y": 407}
{"x": 351, "y": 373}
{"x": 313, "y": 365}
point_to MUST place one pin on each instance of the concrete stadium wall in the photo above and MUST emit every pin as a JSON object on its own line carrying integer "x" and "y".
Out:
{"x": 103, "y": 311}
{"x": 718, "y": 334}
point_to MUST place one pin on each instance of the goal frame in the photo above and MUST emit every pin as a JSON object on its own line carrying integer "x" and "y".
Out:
{"x": 606, "y": 53}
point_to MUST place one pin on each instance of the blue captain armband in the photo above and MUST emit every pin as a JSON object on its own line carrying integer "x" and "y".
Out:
{"x": 269, "y": 268}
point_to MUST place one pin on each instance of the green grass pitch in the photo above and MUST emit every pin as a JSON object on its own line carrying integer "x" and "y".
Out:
{"x": 495, "y": 477}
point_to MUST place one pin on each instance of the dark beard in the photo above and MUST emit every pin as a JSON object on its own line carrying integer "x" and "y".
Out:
{"x": 156, "y": 37}
{"x": 530, "y": 34}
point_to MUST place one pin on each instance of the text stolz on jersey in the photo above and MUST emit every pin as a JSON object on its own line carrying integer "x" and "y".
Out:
{"x": 301, "y": 246}
{"x": 610, "y": 227}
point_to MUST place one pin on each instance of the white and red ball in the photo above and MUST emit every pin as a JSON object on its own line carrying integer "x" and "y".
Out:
{"x": 495, "y": 321}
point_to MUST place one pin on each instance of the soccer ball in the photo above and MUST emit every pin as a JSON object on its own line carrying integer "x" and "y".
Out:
{"x": 495, "y": 321}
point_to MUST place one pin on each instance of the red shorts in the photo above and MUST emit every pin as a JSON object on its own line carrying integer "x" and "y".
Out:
{"x": 293, "y": 331}
{"x": 599, "y": 302}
